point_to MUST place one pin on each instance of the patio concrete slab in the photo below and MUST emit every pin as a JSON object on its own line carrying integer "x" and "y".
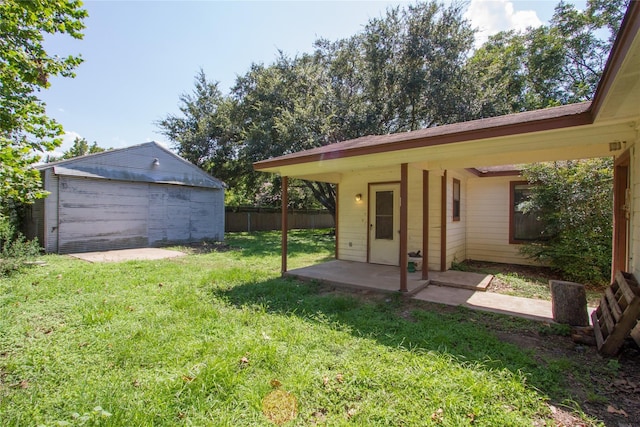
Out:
{"x": 460, "y": 279}
{"x": 488, "y": 301}
{"x": 128, "y": 255}
{"x": 359, "y": 275}
{"x": 384, "y": 278}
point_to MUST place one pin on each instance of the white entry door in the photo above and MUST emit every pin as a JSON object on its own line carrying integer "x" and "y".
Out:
{"x": 384, "y": 224}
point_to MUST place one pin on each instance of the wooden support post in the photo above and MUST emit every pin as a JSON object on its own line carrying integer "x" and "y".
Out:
{"x": 404, "y": 216}
{"x": 336, "y": 220}
{"x": 285, "y": 222}
{"x": 425, "y": 225}
{"x": 443, "y": 224}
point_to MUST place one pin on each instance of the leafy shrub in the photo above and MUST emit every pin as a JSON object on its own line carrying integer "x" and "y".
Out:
{"x": 574, "y": 201}
{"x": 14, "y": 248}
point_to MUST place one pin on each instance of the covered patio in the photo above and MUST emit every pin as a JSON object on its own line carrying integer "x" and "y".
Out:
{"x": 455, "y": 288}
{"x": 444, "y": 191}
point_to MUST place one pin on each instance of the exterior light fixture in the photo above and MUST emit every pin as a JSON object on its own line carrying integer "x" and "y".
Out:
{"x": 156, "y": 162}
{"x": 615, "y": 145}
{"x": 358, "y": 197}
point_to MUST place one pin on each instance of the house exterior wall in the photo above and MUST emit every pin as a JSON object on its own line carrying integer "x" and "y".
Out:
{"x": 456, "y": 230}
{"x": 353, "y": 219}
{"x": 414, "y": 211}
{"x": 352, "y": 243}
{"x": 482, "y": 233}
{"x": 435, "y": 219}
{"x": 488, "y": 221}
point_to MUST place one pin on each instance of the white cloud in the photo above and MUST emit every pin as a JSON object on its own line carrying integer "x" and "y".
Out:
{"x": 67, "y": 142}
{"x": 493, "y": 16}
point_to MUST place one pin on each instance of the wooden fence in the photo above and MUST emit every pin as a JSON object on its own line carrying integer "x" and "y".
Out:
{"x": 261, "y": 219}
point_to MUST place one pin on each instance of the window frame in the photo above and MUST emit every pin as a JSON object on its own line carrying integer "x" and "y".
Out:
{"x": 453, "y": 200}
{"x": 512, "y": 211}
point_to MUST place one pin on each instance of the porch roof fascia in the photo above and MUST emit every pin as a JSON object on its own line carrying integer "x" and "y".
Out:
{"x": 629, "y": 29}
{"x": 549, "y": 119}
{"x": 492, "y": 127}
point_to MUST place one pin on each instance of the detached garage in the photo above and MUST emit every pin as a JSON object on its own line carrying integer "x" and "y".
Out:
{"x": 132, "y": 197}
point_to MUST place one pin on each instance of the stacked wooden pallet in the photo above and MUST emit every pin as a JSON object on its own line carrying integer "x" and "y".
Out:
{"x": 618, "y": 313}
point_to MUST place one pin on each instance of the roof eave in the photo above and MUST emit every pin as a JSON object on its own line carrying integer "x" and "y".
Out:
{"x": 628, "y": 31}
{"x": 563, "y": 121}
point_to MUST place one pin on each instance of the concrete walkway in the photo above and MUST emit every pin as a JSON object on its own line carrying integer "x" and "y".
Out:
{"x": 128, "y": 255}
{"x": 528, "y": 308}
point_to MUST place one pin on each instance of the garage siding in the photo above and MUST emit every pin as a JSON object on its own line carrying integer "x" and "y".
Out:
{"x": 99, "y": 214}
{"x": 184, "y": 214}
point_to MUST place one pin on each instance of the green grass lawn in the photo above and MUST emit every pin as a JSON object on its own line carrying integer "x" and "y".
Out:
{"x": 219, "y": 339}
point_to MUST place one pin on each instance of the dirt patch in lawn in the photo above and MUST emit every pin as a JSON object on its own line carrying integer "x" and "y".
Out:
{"x": 206, "y": 247}
{"x": 612, "y": 390}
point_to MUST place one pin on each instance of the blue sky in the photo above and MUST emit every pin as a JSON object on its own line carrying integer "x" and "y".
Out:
{"x": 139, "y": 56}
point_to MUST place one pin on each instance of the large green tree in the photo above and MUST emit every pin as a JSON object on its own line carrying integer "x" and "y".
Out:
{"x": 404, "y": 71}
{"x": 409, "y": 69}
{"x": 203, "y": 133}
{"x": 80, "y": 147}
{"x": 25, "y": 69}
{"x": 555, "y": 64}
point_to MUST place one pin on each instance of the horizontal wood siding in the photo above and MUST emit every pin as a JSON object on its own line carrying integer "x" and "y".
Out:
{"x": 179, "y": 214}
{"x": 456, "y": 230}
{"x": 51, "y": 212}
{"x": 207, "y": 214}
{"x": 352, "y": 236}
{"x": 414, "y": 223}
{"x": 158, "y": 214}
{"x": 97, "y": 215}
{"x": 435, "y": 225}
{"x": 488, "y": 221}
{"x": 352, "y": 240}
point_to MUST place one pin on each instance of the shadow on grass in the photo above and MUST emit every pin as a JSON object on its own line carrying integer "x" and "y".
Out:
{"x": 393, "y": 321}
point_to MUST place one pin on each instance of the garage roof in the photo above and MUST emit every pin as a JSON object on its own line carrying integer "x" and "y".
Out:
{"x": 148, "y": 162}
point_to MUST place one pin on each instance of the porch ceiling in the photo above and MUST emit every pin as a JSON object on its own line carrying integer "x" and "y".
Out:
{"x": 558, "y": 144}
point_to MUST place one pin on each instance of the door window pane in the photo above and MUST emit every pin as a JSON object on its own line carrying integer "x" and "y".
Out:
{"x": 384, "y": 215}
